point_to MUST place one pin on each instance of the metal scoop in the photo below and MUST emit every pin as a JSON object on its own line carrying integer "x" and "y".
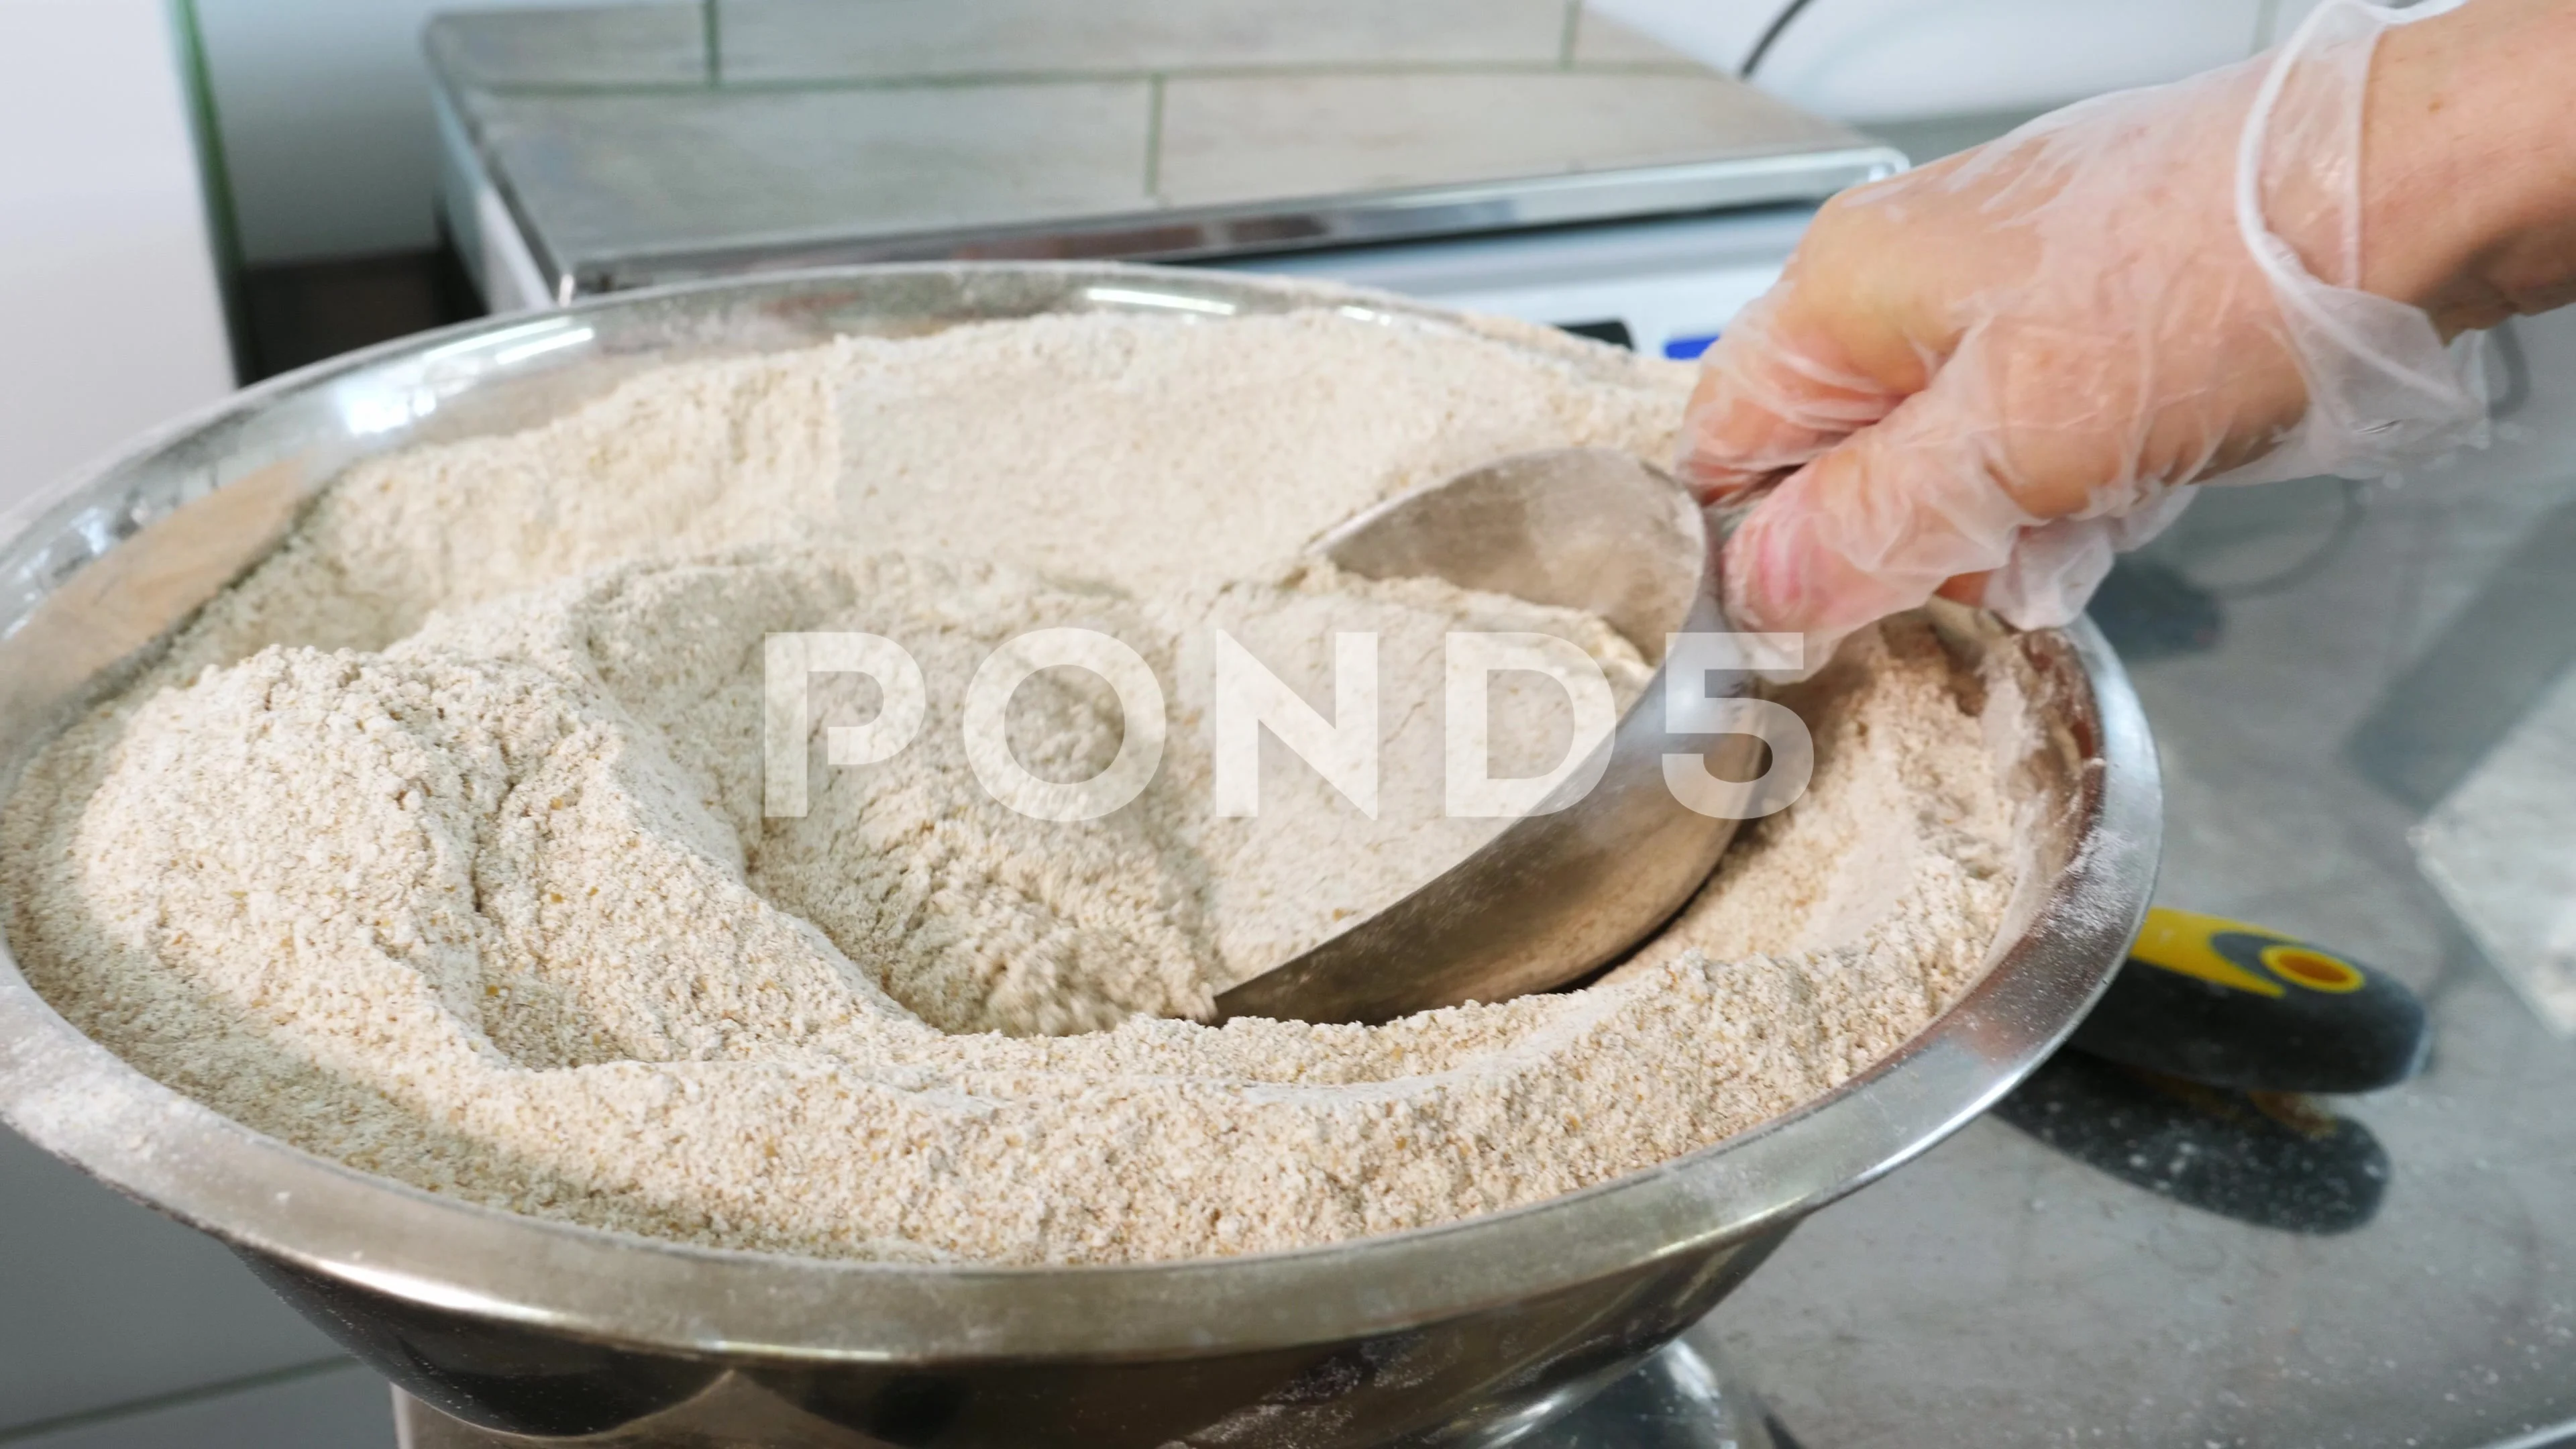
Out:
{"x": 1560, "y": 891}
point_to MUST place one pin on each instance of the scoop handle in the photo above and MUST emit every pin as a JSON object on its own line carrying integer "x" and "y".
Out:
{"x": 2236, "y": 1005}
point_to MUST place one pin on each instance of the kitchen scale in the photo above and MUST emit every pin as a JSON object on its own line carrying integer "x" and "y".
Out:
{"x": 1521, "y": 156}
{"x": 2105, "y": 1259}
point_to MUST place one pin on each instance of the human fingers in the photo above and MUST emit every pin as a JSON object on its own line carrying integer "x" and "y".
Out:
{"x": 1886, "y": 518}
{"x": 1774, "y": 392}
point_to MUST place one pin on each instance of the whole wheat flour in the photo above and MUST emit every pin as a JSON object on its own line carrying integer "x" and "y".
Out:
{"x": 436, "y": 845}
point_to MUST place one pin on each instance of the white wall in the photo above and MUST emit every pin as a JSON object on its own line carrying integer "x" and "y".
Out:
{"x": 323, "y": 107}
{"x": 110, "y": 320}
{"x": 1888, "y": 60}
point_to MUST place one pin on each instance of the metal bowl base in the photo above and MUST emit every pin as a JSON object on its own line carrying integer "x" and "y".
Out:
{"x": 1682, "y": 1397}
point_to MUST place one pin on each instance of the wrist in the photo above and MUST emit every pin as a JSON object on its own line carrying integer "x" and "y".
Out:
{"x": 2469, "y": 171}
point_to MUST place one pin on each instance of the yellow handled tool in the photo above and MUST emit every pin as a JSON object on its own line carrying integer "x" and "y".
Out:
{"x": 2236, "y": 1005}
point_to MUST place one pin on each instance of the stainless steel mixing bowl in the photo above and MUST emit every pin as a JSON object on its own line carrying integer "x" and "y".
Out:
{"x": 1456, "y": 1334}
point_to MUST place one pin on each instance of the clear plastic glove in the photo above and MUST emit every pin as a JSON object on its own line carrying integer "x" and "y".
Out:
{"x": 1991, "y": 373}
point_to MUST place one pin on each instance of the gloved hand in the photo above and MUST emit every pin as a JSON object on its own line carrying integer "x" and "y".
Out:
{"x": 1990, "y": 373}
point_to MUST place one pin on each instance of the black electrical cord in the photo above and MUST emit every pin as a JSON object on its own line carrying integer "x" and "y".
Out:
{"x": 1770, "y": 34}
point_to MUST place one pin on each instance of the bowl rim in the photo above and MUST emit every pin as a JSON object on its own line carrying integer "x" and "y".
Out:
{"x": 76, "y": 1099}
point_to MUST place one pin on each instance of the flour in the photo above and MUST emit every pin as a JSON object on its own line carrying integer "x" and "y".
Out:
{"x": 436, "y": 844}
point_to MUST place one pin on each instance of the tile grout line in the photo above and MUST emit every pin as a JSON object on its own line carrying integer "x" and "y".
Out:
{"x": 1154, "y": 138}
{"x": 84, "y": 1418}
{"x": 714, "y": 28}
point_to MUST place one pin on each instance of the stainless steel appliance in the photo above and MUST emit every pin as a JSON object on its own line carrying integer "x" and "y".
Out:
{"x": 585, "y": 152}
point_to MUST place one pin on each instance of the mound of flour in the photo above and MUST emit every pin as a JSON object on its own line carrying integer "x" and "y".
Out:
{"x": 435, "y": 845}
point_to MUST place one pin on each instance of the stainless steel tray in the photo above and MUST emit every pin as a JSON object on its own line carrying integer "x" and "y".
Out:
{"x": 630, "y": 146}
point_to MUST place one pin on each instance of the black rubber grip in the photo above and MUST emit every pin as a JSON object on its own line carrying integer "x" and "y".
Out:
{"x": 2234, "y": 1005}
